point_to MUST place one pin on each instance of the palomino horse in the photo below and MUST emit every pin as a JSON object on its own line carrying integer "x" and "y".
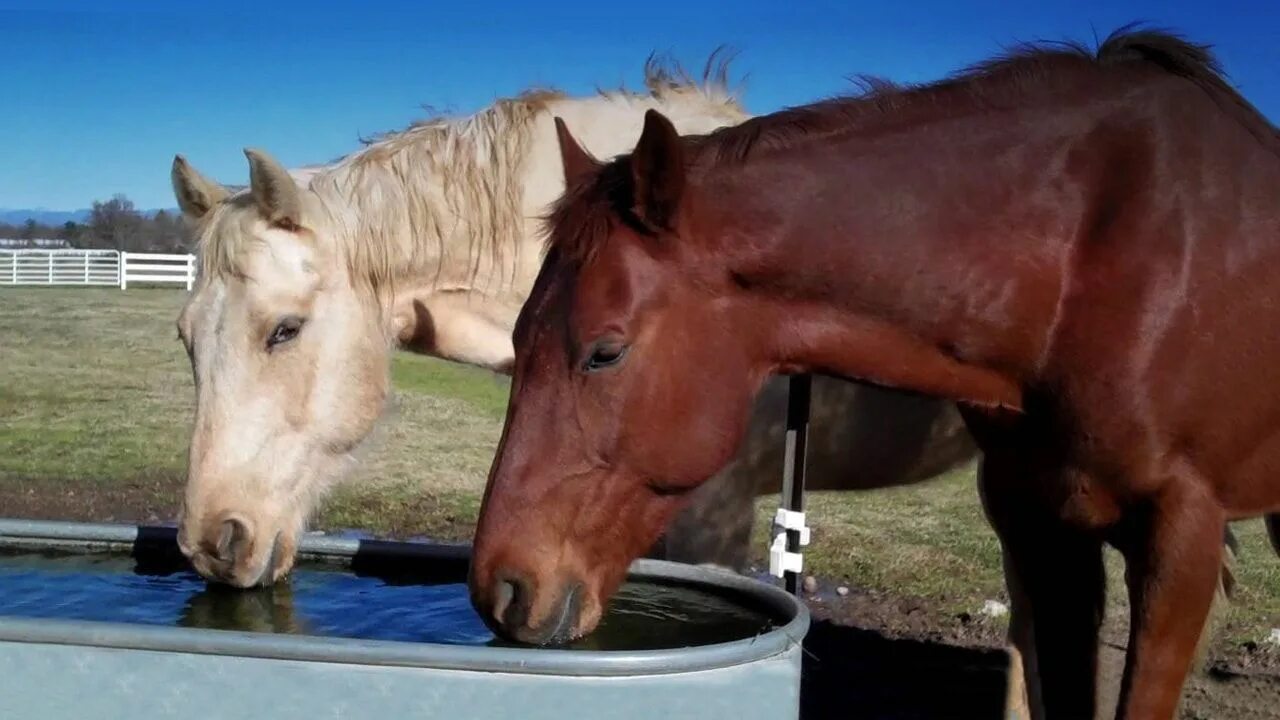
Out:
{"x": 384, "y": 247}
{"x": 428, "y": 238}
{"x": 1079, "y": 248}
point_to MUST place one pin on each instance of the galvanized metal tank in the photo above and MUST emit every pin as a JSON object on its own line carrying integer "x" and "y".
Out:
{"x": 79, "y": 669}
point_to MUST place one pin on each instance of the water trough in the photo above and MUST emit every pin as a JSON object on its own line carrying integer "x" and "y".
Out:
{"x": 54, "y": 663}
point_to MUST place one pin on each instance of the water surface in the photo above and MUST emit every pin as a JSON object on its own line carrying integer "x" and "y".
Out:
{"x": 332, "y": 601}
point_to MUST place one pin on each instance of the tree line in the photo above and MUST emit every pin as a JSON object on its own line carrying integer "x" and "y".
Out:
{"x": 113, "y": 225}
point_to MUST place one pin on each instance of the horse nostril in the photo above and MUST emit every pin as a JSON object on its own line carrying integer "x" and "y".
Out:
{"x": 232, "y": 538}
{"x": 502, "y": 599}
{"x": 511, "y": 603}
{"x": 184, "y": 542}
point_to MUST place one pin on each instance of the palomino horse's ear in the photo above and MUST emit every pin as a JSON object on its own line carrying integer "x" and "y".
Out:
{"x": 196, "y": 195}
{"x": 658, "y": 171}
{"x": 577, "y": 161}
{"x": 274, "y": 190}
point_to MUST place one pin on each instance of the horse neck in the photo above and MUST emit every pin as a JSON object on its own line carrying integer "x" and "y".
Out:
{"x": 422, "y": 223}
{"x": 470, "y": 258}
{"x": 481, "y": 233}
{"x": 931, "y": 261}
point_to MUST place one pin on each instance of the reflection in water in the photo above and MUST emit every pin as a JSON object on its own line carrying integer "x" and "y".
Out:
{"x": 327, "y": 601}
{"x": 267, "y": 610}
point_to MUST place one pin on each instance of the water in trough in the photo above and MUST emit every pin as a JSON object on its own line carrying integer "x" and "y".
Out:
{"x": 333, "y": 601}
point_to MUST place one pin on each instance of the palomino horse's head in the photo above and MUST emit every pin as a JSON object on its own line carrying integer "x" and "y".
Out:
{"x": 632, "y": 385}
{"x": 290, "y": 365}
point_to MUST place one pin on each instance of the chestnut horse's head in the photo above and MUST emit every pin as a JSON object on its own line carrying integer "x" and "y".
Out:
{"x": 632, "y": 384}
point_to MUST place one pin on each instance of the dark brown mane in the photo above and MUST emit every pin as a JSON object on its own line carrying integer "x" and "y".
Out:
{"x": 1004, "y": 80}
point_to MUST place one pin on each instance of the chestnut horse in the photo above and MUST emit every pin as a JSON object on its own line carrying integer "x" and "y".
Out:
{"x": 1080, "y": 248}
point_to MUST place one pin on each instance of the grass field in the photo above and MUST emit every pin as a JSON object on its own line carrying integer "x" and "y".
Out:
{"x": 96, "y": 400}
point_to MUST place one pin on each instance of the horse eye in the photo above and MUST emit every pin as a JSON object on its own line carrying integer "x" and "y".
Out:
{"x": 603, "y": 355}
{"x": 286, "y": 330}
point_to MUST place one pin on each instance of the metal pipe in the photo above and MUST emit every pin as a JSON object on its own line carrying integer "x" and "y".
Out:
{"x": 798, "y": 395}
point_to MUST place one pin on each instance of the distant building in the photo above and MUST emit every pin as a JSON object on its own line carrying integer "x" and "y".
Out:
{"x": 41, "y": 243}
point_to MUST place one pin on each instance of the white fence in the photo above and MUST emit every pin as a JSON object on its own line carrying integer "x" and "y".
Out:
{"x": 94, "y": 267}
{"x": 59, "y": 267}
{"x": 157, "y": 268}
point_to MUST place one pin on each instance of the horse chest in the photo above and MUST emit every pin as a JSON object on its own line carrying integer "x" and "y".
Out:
{"x": 1071, "y": 477}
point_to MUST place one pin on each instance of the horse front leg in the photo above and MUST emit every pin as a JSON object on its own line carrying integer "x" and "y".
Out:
{"x": 1057, "y": 590}
{"x": 1173, "y": 554}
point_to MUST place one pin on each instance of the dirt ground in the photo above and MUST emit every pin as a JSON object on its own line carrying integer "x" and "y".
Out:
{"x": 880, "y": 656}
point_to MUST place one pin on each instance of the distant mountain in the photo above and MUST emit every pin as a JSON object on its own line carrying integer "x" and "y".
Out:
{"x": 45, "y": 216}
{"x": 42, "y": 216}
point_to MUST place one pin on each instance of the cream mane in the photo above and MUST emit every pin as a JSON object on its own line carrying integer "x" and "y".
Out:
{"x": 444, "y": 196}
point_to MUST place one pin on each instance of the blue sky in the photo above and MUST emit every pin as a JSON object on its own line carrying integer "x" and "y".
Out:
{"x": 98, "y": 96}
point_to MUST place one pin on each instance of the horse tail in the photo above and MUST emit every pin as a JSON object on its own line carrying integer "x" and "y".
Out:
{"x": 1230, "y": 549}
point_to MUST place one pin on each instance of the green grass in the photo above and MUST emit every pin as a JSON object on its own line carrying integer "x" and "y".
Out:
{"x": 485, "y": 392}
{"x": 932, "y": 541}
{"x": 96, "y": 402}
{"x": 901, "y": 538}
{"x": 96, "y": 396}
{"x": 95, "y": 388}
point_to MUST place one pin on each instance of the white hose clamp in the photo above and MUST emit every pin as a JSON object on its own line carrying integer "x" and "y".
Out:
{"x": 780, "y": 560}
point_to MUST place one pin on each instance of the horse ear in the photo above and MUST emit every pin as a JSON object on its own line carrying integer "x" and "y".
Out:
{"x": 658, "y": 171}
{"x": 196, "y": 195}
{"x": 274, "y": 190}
{"x": 577, "y": 162}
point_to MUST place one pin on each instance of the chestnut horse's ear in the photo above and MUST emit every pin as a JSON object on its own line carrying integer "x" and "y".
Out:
{"x": 577, "y": 162}
{"x": 658, "y": 171}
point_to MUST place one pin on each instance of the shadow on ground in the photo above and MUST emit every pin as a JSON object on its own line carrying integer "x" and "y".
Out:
{"x": 851, "y": 672}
